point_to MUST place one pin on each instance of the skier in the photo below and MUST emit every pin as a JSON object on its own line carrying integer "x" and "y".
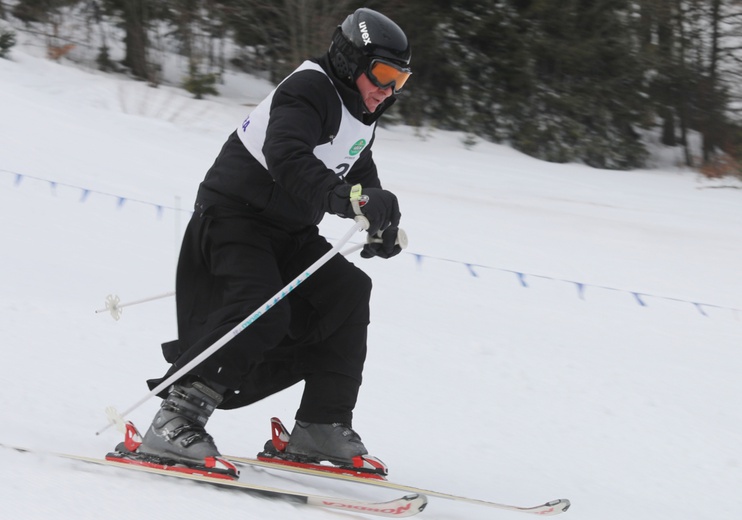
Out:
{"x": 303, "y": 151}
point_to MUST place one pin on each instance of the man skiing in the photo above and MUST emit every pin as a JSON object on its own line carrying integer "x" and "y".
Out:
{"x": 302, "y": 152}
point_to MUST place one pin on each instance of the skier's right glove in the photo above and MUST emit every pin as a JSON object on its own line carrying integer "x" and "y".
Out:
{"x": 379, "y": 206}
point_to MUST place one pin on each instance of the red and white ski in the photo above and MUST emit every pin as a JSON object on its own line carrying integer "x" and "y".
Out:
{"x": 402, "y": 507}
{"x": 280, "y": 435}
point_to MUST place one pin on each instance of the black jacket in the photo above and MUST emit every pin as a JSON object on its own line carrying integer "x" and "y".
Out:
{"x": 292, "y": 192}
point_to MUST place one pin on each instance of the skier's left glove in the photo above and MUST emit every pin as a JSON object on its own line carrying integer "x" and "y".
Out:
{"x": 385, "y": 244}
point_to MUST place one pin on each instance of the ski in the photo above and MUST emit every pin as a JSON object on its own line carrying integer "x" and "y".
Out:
{"x": 553, "y": 507}
{"x": 402, "y": 507}
{"x": 275, "y": 457}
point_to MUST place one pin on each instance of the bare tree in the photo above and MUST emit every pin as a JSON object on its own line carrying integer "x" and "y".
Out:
{"x": 285, "y": 32}
{"x": 731, "y": 56}
{"x": 134, "y": 16}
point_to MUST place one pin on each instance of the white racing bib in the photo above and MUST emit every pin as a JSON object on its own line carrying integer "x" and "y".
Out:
{"x": 338, "y": 155}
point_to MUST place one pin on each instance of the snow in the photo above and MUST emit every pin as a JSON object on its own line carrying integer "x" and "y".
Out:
{"x": 510, "y": 356}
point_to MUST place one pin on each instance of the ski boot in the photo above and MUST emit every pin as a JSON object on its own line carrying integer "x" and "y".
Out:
{"x": 336, "y": 448}
{"x": 335, "y": 443}
{"x": 177, "y": 436}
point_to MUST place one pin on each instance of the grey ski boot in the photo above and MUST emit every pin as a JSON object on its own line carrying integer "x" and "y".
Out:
{"x": 336, "y": 443}
{"x": 177, "y": 431}
{"x": 311, "y": 445}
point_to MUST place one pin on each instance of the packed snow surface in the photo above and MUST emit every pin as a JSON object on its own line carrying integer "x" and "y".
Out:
{"x": 552, "y": 331}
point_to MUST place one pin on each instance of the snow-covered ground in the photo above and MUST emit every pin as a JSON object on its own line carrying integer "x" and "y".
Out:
{"x": 552, "y": 331}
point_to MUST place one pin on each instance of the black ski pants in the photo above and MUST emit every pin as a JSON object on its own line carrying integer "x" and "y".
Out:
{"x": 231, "y": 263}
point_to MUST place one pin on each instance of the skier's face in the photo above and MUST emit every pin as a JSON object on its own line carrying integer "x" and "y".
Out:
{"x": 372, "y": 95}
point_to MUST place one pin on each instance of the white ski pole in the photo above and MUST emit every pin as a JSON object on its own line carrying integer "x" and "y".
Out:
{"x": 114, "y": 306}
{"x": 116, "y": 418}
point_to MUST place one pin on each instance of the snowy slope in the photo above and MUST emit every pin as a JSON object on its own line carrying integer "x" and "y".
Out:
{"x": 510, "y": 357}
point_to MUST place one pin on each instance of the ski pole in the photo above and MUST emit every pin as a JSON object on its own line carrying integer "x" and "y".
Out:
{"x": 360, "y": 224}
{"x": 115, "y": 308}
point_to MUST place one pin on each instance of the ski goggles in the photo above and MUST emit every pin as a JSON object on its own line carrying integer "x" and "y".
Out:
{"x": 385, "y": 74}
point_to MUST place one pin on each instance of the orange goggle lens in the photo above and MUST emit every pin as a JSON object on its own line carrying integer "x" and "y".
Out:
{"x": 385, "y": 75}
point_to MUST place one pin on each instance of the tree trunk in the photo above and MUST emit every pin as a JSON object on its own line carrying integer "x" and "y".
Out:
{"x": 134, "y": 12}
{"x": 713, "y": 117}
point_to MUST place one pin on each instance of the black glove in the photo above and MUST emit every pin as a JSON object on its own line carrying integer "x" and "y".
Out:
{"x": 385, "y": 244}
{"x": 379, "y": 206}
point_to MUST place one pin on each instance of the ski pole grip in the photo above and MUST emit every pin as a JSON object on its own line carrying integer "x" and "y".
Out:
{"x": 378, "y": 238}
{"x": 360, "y": 219}
{"x": 402, "y": 239}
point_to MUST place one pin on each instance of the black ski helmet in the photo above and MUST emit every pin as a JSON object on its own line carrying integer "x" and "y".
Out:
{"x": 364, "y": 35}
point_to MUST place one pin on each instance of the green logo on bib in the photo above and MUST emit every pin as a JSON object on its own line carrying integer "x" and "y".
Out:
{"x": 356, "y": 148}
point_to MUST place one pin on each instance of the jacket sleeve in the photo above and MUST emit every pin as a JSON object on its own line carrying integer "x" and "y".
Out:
{"x": 304, "y": 110}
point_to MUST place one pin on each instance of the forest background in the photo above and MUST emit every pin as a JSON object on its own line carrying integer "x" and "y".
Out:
{"x": 587, "y": 81}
